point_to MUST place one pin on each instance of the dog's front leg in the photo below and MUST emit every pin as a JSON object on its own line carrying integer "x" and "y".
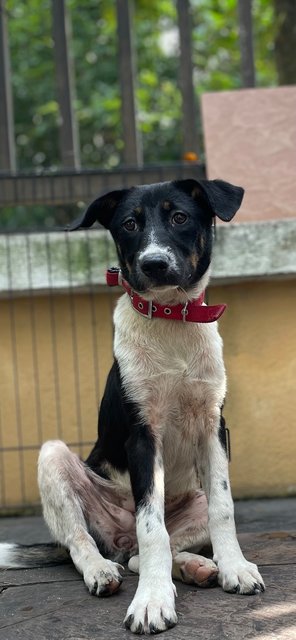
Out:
{"x": 236, "y": 574}
{"x": 152, "y": 609}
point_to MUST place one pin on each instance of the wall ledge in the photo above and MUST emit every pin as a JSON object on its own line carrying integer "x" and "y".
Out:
{"x": 251, "y": 250}
{"x": 62, "y": 261}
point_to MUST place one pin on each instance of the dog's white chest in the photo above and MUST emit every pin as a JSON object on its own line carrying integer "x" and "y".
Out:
{"x": 174, "y": 372}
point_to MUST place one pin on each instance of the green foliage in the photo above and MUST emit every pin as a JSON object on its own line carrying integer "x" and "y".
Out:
{"x": 97, "y": 104}
{"x": 216, "y": 60}
{"x": 35, "y": 107}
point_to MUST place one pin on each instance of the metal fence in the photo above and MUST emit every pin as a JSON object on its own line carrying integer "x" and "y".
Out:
{"x": 25, "y": 190}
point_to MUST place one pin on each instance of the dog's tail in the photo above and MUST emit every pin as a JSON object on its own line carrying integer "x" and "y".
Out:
{"x": 31, "y": 556}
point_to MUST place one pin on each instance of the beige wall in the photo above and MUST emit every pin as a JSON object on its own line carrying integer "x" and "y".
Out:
{"x": 259, "y": 332}
{"x": 52, "y": 346}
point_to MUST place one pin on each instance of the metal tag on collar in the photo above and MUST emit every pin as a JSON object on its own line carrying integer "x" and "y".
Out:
{"x": 149, "y": 314}
{"x": 184, "y": 312}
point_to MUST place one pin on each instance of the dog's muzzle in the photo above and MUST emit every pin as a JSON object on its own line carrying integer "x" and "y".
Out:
{"x": 154, "y": 267}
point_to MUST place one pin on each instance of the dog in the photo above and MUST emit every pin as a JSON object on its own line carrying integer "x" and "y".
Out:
{"x": 156, "y": 482}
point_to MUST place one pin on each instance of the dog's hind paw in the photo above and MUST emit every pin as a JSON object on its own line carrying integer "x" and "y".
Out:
{"x": 102, "y": 577}
{"x": 194, "y": 569}
{"x": 151, "y": 611}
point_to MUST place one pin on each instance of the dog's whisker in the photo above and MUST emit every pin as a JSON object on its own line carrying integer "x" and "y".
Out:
{"x": 185, "y": 293}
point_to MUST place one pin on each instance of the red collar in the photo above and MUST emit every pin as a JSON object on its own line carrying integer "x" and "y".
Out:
{"x": 193, "y": 311}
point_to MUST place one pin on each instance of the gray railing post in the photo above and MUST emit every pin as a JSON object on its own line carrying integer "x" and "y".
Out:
{"x": 189, "y": 108}
{"x": 7, "y": 142}
{"x": 68, "y": 130}
{"x": 246, "y": 42}
{"x": 132, "y": 153}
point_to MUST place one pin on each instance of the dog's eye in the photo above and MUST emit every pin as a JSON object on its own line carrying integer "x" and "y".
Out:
{"x": 130, "y": 225}
{"x": 179, "y": 217}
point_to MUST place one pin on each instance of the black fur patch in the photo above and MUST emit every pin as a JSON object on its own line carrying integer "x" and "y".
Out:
{"x": 183, "y": 238}
{"x": 190, "y": 240}
{"x": 222, "y": 433}
{"x": 123, "y": 440}
{"x": 140, "y": 449}
{"x": 117, "y": 416}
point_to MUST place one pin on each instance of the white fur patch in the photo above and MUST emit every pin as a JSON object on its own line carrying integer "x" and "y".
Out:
{"x": 236, "y": 574}
{"x": 153, "y": 248}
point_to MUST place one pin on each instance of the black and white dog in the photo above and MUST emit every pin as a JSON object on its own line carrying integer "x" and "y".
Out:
{"x": 138, "y": 496}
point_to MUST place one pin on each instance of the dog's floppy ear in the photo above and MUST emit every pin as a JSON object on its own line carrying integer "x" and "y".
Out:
{"x": 224, "y": 199}
{"x": 100, "y": 210}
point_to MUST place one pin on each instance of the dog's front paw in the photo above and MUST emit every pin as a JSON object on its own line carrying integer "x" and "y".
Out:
{"x": 102, "y": 577}
{"x": 152, "y": 610}
{"x": 240, "y": 577}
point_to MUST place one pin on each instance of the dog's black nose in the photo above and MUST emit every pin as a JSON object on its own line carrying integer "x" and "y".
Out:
{"x": 154, "y": 266}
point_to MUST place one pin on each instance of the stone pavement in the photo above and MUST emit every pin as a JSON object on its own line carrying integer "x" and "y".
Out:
{"x": 53, "y": 603}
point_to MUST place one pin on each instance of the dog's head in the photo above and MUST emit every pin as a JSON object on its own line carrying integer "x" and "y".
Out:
{"x": 163, "y": 231}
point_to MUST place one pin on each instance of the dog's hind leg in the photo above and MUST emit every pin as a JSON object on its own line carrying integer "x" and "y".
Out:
{"x": 65, "y": 487}
{"x": 186, "y": 522}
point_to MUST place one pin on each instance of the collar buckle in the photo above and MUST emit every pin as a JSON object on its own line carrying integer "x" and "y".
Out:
{"x": 139, "y": 306}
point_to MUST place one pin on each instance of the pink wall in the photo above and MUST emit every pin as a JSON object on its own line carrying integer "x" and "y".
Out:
{"x": 250, "y": 140}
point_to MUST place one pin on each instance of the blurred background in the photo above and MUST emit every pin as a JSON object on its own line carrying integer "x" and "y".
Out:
{"x": 100, "y": 94}
{"x": 227, "y": 52}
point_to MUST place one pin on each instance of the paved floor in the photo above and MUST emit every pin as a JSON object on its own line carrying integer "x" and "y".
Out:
{"x": 53, "y": 604}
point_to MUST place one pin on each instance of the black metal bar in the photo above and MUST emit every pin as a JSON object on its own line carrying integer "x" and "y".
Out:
{"x": 16, "y": 379}
{"x": 53, "y": 329}
{"x": 7, "y": 143}
{"x": 246, "y": 42}
{"x": 189, "y": 108}
{"x": 35, "y": 356}
{"x": 2, "y": 467}
{"x": 132, "y": 153}
{"x": 74, "y": 337}
{"x": 92, "y": 301}
{"x": 68, "y": 130}
{"x": 88, "y": 184}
